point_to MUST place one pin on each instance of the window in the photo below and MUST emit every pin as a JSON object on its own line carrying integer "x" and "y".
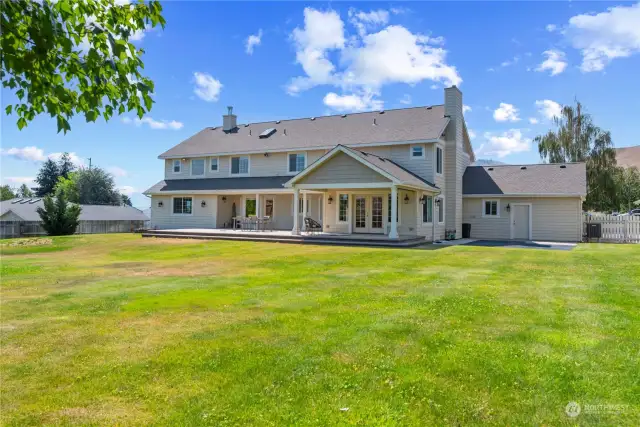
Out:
{"x": 297, "y": 162}
{"x": 343, "y": 207}
{"x": 239, "y": 165}
{"x": 417, "y": 152}
{"x": 441, "y": 210}
{"x": 389, "y": 209}
{"x": 182, "y": 205}
{"x": 214, "y": 164}
{"x": 177, "y": 166}
{"x": 268, "y": 208}
{"x": 197, "y": 167}
{"x": 427, "y": 209}
{"x": 249, "y": 207}
{"x": 439, "y": 160}
{"x": 491, "y": 208}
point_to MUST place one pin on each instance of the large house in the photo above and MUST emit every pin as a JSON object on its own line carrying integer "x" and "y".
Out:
{"x": 403, "y": 172}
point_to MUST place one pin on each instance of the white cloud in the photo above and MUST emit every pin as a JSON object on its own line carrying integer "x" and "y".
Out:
{"x": 509, "y": 142}
{"x": 126, "y": 189}
{"x": 406, "y": 99}
{"x": 32, "y": 153}
{"x": 154, "y": 124}
{"x": 252, "y": 41}
{"x": 555, "y": 62}
{"x": 75, "y": 159}
{"x": 471, "y": 133}
{"x": 551, "y": 28}
{"x": 366, "y": 21}
{"x": 353, "y": 102}
{"x": 533, "y": 120}
{"x": 207, "y": 88}
{"x": 466, "y": 109}
{"x": 506, "y": 112}
{"x": 369, "y": 60}
{"x": 117, "y": 171}
{"x": 605, "y": 36}
{"x": 549, "y": 109}
{"x": 17, "y": 181}
{"x": 510, "y": 62}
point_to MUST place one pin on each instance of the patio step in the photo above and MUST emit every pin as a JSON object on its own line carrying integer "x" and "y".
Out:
{"x": 313, "y": 240}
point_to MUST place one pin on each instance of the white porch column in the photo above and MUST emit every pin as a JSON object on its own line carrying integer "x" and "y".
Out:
{"x": 305, "y": 209}
{"x": 296, "y": 201}
{"x": 258, "y": 205}
{"x": 393, "y": 232}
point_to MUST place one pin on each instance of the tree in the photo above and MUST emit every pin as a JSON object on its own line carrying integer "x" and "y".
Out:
{"x": 47, "y": 178}
{"x": 69, "y": 187}
{"x": 59, "y": 218}
{"x": 628, "y": 188}
{"x": 6, "y": 193}
{"x": 95, "y": 186}
{"x": 25, "y": 191}
{"x": 578, "y": 139}
{"x": 69, "y": 57}
{"x": 126, "y": 200}
{"x": 65, "y": 165}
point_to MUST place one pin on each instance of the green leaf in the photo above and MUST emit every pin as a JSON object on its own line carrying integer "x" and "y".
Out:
{"x": 22, "y": 122}
{"x": 8, "y": 109}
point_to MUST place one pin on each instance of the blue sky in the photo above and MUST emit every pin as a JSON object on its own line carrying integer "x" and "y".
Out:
{"x": 515, "y": 63}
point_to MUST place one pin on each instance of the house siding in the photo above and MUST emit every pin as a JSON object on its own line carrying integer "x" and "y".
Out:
{"x": 342, "y": 169}
{"x": 162, "y": 217}
{"x": 553, "y": 219}
{"x": 10, "y": 216}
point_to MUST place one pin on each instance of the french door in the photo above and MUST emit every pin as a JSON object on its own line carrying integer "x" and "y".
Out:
{"x": 368, "y": 214}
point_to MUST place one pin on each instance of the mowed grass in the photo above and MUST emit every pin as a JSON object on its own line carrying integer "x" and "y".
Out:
{"x": 116, "y": 329}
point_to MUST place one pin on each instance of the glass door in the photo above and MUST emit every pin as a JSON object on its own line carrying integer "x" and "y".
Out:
{"x": 376, "y": 225}
{"x": 360, "y": 215}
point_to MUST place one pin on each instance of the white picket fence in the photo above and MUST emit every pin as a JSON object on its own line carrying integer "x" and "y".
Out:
{"x": 619, "y": 229}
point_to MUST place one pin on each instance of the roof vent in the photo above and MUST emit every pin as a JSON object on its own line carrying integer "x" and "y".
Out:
{"x": 277, "y": 122}
{"x": 490, "y": 169}
{"x": 24, "y": 201}
{"x": 563, "y": 166}
{"x": 247, "y": 125}
{"x": 16, "y": 201}
{"x": 267, "y": 133}
{"x": 344, "y": 115}
{"x": 381, "y": 111}
{"x": 313, "y": 118}
{"x": 429, "y": 107}
{"x": 34, "y": 201}
{"x": 374, "y": 122}
{"x": 213, "y": 128}
{"x": 523, "y": 167}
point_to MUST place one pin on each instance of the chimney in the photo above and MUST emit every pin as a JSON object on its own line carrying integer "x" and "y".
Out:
{"x": 229, "y": 123}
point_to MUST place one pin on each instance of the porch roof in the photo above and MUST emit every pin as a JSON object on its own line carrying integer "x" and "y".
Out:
{"x": 388, "y": 168}
{"x": 215, "y": 184}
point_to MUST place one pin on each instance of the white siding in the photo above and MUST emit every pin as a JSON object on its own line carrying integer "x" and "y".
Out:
{"x": 553, "y": 219}
{"x": 342, "y": 168}
{"x": 10, "y": 216}
{"x": 162, "y": 217}
{"x": 401, "y": 154}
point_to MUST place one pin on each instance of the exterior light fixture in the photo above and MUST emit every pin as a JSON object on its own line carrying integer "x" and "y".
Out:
{"x": 224, "y": 199}
{"x": 330, "y": 200}
{"x": 422, "y": 200}
{"x": 160, "y": 204}
{"x": 508, "y": 207}
{"x": 438, "y": 202}
{"x": 406, "y": 199}
{"x": 203, "y": 204}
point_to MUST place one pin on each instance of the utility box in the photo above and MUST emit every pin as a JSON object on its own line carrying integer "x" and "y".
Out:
{"x": 466, "y": 231}
{"x": 594, "y": 231}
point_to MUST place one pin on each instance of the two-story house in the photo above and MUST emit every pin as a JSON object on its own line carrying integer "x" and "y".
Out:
{"x": 396, "y": 172}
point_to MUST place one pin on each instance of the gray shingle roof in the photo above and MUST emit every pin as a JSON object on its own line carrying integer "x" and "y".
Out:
{"x": 542, "y": 179}
{"x": 402, "y": 125}
{"x": 27, "y": 211}
{"x": 242, "y": 183}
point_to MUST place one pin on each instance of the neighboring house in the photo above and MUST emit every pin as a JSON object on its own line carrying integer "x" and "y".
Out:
{"x": 628, "y": 156}
{"x": 395, "y": 172}
{"x": 19, "y": 217}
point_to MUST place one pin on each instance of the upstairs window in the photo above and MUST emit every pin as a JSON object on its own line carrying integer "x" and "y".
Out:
{"x": 197, "y": 167}
{"x": 177, "y": 166}
{"x": 427, "y": 209}
{"x": 491, "y": 208}
{"x": 239, "y": 165}
{"x": 417, "y": 152}
{"x": 214, "y": 164}
{"x": 182, "y": 205}
{"x": 439, "y": 160}
{"x": 297, "y": 162}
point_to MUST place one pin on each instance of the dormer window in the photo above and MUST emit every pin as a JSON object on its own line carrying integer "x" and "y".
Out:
{"x": 177, "y": 166}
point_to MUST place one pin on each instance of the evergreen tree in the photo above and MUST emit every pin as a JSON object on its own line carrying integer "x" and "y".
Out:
{"x": 65, "y": 165}
{"x": 96, "y": 186}
{"x": 126, "y": 200}
{"x": 25, "y": 191}
{"x": 47, "y": 178}
{"x": 59, "y": 218}
{"x": 6, "y": 193}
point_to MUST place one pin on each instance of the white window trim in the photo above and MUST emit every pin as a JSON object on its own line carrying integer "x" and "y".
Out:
{"x": 497, "y": 208}
{"x": 433, "y": 205}
{"x": 411, "y": 156}
{"x": 338, "y": 221}
{"x": 193, "y": 205}
{"x": 210, "y": 162}
{"x": 287, "y": 159}
{"x": 442, "y": 207}
{"x": 204, "y": 167}
{"x": 435, "y": 159}
{"x": 173, "y": 165}
{"x": 239, "y": 174}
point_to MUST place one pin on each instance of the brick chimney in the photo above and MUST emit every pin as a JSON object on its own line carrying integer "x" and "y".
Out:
{"x": 229, "y": 121}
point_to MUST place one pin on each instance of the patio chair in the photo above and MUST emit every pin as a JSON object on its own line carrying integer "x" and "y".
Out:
{"x": 312, "y": 226}
{"x": 267, "y": 223}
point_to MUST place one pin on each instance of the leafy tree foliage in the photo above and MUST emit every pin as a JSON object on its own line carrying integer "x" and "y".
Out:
{"x": 93, "y": 186}
{"x": 68, "y": 57}
{"x": 59, "y": 218}
{"x": 126, "y": 200}
{"x": 628, "y": 186}
{"x": 578, "y": 139}
{"x": 6, "y": 193}
{"x": 25, "y": 191}
{"x": 65, "y": 165}
{"x": 68, "y": 187}
{"x": 47, "y": 178}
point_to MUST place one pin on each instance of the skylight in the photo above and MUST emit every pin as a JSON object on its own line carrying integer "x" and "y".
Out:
{"x": 267, "y": 133}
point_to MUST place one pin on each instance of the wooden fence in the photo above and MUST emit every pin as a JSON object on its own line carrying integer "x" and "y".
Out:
{"x": 618, "y": 229}
{"x": 34, "y": 228}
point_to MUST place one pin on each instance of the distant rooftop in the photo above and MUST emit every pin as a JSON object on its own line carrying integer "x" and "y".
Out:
{"x": 25, "y": 208}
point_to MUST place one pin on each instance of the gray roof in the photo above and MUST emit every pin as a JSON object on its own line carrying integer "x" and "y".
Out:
{"x": 242, "y": 183}
{"x": 401, "y": 125}
{"x": 25, "y": 208}
{"x": 542, "y": 179}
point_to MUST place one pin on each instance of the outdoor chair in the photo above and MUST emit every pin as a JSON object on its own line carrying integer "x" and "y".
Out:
{"x": 312, "y": 226}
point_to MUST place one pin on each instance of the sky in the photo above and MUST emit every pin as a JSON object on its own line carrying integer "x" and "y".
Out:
{"x": 516, "y": 63}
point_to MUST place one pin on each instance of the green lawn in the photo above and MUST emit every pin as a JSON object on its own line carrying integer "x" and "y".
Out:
{"x": 116, "y": 329}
